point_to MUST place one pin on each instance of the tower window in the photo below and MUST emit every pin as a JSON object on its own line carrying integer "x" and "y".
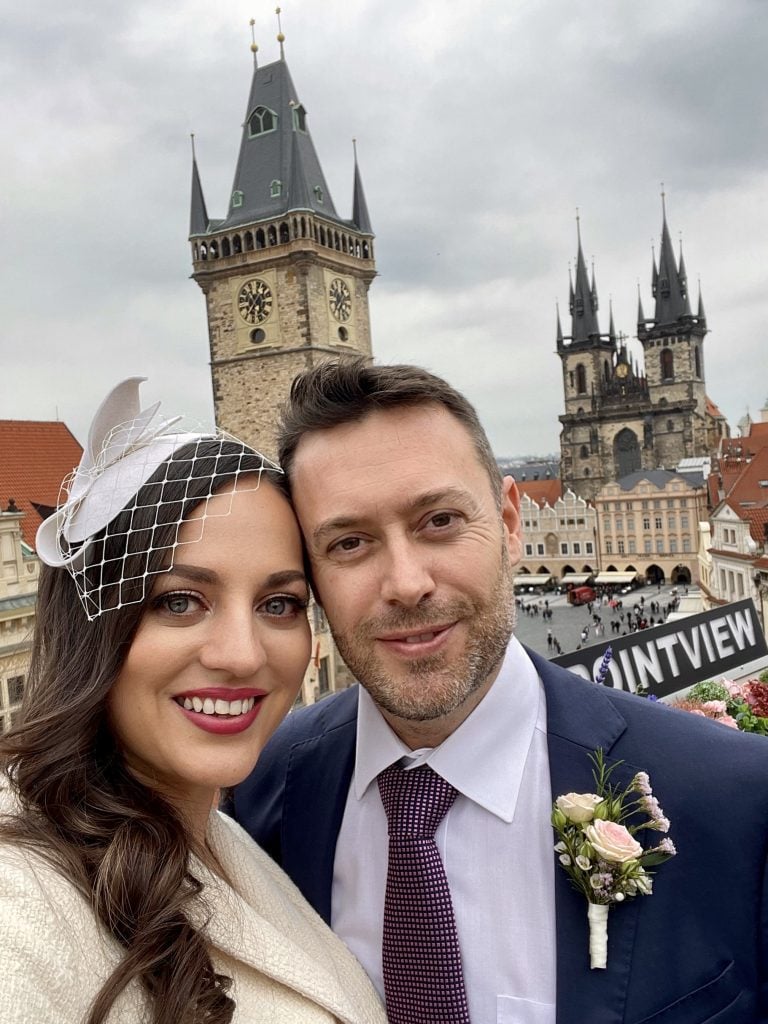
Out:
{"x": 581, "y": 380}
{"x": 318, "y": 193}
{"x": 300, "y": 118}
{"x": 584, "y": 452}
{"x": 237, "y": 199}
{"x": 275, "y": 188}
{"x": 667, "y": 364}
{"x": 262, "y": 120}
{"x": 697, "y": 361}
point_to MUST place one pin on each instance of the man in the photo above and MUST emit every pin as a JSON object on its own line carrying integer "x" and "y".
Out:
{"x": 412, "y": 538}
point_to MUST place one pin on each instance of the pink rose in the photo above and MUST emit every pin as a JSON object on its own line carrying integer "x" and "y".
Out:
{"x": 729, "y": 721}
{"x": 612, "y": 842}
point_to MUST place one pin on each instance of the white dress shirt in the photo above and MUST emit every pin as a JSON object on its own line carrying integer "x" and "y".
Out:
{"x": 496, "y": 844}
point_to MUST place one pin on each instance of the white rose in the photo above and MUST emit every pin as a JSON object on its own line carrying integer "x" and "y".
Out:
{"x": 612, "y": 842}
{"x": 578, "y": 807}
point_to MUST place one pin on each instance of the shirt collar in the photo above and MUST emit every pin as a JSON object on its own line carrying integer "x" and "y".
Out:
{"x": 485, "y": 757}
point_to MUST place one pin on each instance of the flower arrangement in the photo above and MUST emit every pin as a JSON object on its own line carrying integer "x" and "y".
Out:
{"x": 738, "y": 705}
{"x": 597, "y": 847}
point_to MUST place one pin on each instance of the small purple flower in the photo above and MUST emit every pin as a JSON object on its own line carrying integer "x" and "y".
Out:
{"x": 602, "y": 672}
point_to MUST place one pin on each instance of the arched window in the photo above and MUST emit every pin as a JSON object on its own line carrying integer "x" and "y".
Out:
{"x": 626, "y": 453}
{"x": 275, "y": 188}
{"x": 584, "y": 452}
{"x": 261, "y": 241}
{"x": 284, "y": 235}
{"x": 606, "y": 370}
{"x": 581, "y": 380}
{"x": 300, "y": 118}
{"x": 237, "y": 199}
{"x": 667, "y": 364}
{"x": 272, "y": 234}
{"x": 225, "y": 249}
{"x": 697, "y": 361}
{"x": 249, "y": 241}
{"x": 237, "y": 244}
{"x": 262, "y": 120}
{"x": 670, "y": 426}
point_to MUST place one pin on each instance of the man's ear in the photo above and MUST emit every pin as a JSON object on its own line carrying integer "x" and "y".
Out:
{"x": 510, "y": 515}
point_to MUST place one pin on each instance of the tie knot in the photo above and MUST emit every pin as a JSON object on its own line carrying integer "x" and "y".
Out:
{"x": 415, "y": 801}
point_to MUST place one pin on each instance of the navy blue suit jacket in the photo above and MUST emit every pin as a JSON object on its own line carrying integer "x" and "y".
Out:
{"x": 696, "y": 950}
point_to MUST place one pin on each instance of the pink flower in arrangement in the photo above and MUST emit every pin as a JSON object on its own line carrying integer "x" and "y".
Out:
{"x": 716, "y": 706}
{"x": 729, "y": 721}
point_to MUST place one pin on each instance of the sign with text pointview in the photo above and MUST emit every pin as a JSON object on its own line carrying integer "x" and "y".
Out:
{"x": 674, "y": 656}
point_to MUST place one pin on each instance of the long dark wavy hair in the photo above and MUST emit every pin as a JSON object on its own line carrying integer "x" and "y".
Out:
{"x": 118, "y": 841}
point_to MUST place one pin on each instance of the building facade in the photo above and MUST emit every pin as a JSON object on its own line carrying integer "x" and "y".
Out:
{"x": 285, "y": 277}
{"x": 559, "y": 539}
{"x": 19, "y": 571}
{"x": 622, "y": 416}
{"x": 648, "y": 525}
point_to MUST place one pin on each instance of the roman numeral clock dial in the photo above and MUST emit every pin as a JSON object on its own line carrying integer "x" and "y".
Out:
{"x": 254, "y": 301}
{"x": 340, "y": 300}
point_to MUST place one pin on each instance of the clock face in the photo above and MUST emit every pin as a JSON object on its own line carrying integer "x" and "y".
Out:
{"x": 254, "y": 301}
{"x": 622, "y": 370}
{"x": 340, "y": 299}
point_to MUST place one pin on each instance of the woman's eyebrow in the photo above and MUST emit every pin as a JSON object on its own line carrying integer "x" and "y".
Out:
{"x": 193, "y": 573}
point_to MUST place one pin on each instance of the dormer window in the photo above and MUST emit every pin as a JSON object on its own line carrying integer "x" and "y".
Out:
{"x": 237, "y": 199}
{"x": 300, "y": 117}
{"x": 275, "y": 188}
{"x": 318, "y": 193}
{"x": 262, "y": 120}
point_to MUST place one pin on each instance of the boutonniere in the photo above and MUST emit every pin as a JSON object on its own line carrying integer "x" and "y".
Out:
{"x": 598, "y": 850}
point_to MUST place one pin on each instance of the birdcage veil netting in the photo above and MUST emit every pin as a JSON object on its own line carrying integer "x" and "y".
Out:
{"x": 119, "y": 519}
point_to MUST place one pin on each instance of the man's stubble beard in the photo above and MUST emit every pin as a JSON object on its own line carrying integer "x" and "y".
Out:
{"x": 447, "y": 682}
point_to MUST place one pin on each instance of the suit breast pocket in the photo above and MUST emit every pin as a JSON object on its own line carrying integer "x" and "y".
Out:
{"x": 719, "y": 1001}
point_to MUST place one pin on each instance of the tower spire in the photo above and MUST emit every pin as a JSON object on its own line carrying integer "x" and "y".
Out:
{"x": 359, "y": 206}
{"x": 198, "y": 215}
{"x": 583, "y": 303}
{"x": 671, "y": 294}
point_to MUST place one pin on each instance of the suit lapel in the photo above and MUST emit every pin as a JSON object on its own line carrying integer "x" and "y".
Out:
{"x": 317, "y": 782}
{"x": 579, "y": 723}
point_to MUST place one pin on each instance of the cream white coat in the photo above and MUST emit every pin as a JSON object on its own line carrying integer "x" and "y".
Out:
{"x": 287, "y": 966}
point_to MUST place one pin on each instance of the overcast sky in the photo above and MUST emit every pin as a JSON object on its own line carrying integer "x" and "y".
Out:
{"x": 480, "y": 130}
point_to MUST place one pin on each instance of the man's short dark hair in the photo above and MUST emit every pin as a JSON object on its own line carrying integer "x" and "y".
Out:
{"x": 345, "y": 391}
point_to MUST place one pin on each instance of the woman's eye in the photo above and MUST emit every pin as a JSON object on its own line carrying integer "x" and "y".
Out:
{"x": 177, "y": 603}
{"x": 283, "y": 606}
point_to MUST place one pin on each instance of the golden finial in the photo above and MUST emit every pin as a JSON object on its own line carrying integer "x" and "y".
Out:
{"x": 280, "y": 36}
{"x": 254, "y": 46}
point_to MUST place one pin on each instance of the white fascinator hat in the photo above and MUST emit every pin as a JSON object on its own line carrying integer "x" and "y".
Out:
{"x": 126, "y": 448}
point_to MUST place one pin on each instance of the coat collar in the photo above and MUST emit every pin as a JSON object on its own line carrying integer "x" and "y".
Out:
{"x": 270, "y": 929}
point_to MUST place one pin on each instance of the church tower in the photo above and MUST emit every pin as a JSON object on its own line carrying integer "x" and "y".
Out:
{"x": 285, "y": 277}
{"x": 620, "y": 417}
{"x": 673, "y": 349}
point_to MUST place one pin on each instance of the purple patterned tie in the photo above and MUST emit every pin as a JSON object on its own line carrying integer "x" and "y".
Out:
{"x": 423, "y": 980}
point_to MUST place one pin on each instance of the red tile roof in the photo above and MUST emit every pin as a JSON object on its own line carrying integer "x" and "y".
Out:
{"x": 35, "y": 456}
{"x": 541, "y": 490}
{"x": 748, "y": 495}
{"x": 712, "y": 409}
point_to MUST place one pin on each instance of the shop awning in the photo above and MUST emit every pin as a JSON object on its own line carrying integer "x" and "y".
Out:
{"x": 616, "y": 577}
{"x": 576, "y": 577}
{"x": 532, "y": 579}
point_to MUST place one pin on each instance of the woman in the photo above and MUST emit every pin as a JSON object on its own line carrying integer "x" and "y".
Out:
{"x": 171, "y": 640}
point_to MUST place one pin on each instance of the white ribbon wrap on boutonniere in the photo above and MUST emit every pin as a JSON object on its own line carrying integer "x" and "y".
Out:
{"x": 596, "y": 846}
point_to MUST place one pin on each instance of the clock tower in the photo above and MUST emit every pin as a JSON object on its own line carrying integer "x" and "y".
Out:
{"x": 285, "y": 277}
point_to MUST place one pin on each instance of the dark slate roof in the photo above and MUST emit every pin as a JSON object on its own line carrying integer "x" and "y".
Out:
{"x": 583, "y": 303}
{"x": 285, "y": 154}
{"x": 198, "y": 217}
{"x": 359, "y": 206}
{"x": 670, "y": 284}
{"x": 659, "y": 478}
